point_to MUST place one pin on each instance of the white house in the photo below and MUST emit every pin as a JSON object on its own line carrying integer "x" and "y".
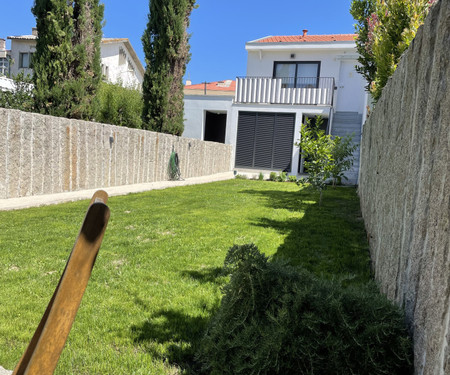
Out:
{"x": 120, "y": 63}
{"x": 289, "y": 79}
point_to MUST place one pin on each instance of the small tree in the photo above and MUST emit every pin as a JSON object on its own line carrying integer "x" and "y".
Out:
{"x": 317, "y": 150}
{"x": 342, "y": 156}
{"x": 324, "y": 156}
{"x": 166, "y": 51}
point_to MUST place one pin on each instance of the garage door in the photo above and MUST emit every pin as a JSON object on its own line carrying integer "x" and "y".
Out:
{"x": 265, "y": 140}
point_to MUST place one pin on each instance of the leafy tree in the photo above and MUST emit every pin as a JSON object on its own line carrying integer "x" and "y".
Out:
{"x": 325, "y": 156}
{"x": 166, "y": 51}
{"x": 67, "y": 59}
{"x": 385, "y": 29}
{"x": 316, "y": 148}
{"x": 361, "y": 10}
{"x": 342, "y": 156}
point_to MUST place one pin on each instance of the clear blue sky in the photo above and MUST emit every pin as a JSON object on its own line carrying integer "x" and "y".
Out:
{"x": 219, "y": 28}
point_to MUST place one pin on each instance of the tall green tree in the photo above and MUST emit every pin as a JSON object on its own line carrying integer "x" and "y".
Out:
{"x": 166, "y": 48}
{"x": 385, "y": 29}
{"x": 67, "y": 60}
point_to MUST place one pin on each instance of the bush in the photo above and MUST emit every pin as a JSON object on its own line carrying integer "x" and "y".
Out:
{"x": 273, "y": 176}
{"x": 21, "y": 98}
{"x": 276, "y": 319}
{"x": 261, "y": 176}
{"x": 119, "y": 105}
{"x": 292, "y": 178}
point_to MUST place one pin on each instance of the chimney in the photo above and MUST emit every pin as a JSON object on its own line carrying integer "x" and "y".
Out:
{"x": 305, "y": 31}
{"x": 34, "y": 31}
{"x": 2, "y": 44}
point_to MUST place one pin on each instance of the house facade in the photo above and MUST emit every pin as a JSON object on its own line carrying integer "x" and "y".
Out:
{"x": 119, "y": 61}
{"x": 290, "y": 79}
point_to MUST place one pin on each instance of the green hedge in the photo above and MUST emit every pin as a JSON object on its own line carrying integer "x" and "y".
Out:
{"x": 119, "y": 105}
{"x": 276, "y": 319}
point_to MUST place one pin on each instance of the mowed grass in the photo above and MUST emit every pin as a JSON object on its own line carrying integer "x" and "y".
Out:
{"x": 158, "y": 276}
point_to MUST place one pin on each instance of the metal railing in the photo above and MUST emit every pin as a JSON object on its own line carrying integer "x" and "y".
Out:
{"x": 300, "y": 91}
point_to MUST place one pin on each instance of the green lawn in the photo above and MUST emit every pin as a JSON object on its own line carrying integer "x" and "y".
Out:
{"x": 157, "y": 278}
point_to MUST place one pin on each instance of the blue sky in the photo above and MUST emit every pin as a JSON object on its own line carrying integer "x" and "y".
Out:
{"x": 219, "y": 28}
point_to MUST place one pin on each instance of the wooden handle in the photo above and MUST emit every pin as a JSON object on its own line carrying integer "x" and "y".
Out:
{"x": 44, "y": 350}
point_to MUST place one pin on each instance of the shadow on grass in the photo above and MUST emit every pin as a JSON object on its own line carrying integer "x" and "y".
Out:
{"x": 172, "y": 336}
{"x": 329, "y": 241}
{"x": 206, "y": 275}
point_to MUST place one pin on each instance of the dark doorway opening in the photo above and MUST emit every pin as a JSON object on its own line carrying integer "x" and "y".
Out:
{"x": 215, "y": 127}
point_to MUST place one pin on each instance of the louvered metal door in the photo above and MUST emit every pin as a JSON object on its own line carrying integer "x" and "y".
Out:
{"x": 265, "y": 140}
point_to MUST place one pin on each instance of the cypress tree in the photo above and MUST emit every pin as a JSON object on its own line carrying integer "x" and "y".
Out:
{"x": 67, "y": 60}
{"x": 166, "y": 51}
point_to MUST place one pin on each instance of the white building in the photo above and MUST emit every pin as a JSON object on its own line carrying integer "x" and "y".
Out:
{"x": 289, "y": 79}
{"x": 119, "y": 60}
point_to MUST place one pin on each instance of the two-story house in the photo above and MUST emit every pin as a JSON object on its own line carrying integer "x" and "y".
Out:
{"x": 289, "y": 79}
{"x": 119, "y": 61}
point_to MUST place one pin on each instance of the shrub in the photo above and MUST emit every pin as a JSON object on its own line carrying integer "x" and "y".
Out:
{"x": 21, "y": 98}
{"x": 119, "y": 105}
{"x": 276, "y": 319}
{"x": 260, "y": 176}
{"x": 241, "y": 177}
{"x": 292, "y": 178}
{"x": 273, "y": 176}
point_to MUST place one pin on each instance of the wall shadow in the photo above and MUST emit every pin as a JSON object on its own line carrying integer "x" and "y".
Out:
{"x": 329, "y": 240}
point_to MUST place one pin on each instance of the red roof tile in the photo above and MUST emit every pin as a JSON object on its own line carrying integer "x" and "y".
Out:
{"x": 227, "y": 85}
{"x": 308, "y": 38}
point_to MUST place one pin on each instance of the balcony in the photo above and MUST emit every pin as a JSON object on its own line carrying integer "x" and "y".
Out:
{"x": 294, "y": 91}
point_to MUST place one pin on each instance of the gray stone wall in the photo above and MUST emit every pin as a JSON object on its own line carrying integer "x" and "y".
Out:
{"x": 44, "y": 155}
{"x": 405, "y": 190}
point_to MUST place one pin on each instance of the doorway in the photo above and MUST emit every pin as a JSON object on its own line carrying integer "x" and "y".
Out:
{"x": 215, "y": 127}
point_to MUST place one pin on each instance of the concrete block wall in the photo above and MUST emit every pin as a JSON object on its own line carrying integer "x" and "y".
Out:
{"x": 405, "y": 190}
{"x": 44, "y": 155}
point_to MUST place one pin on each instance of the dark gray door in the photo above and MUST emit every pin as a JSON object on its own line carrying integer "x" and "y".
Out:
{"x": 265, "y": 140}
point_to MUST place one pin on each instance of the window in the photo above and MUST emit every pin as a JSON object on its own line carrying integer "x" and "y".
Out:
{"x": 25, "y": 60}
{"x": 298, "y": 74}
{"x": 4, "y": 66}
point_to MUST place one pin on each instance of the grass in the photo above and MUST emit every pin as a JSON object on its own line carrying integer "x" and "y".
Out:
{"x": 157, "y": 278}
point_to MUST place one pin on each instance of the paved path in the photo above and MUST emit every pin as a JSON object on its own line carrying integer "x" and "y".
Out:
{"x": 4, "y": 372}
{"x": 43, "y": 200}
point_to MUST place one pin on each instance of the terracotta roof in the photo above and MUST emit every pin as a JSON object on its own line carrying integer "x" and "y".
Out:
{"x": 227, "y": 85}
{"x": 308, "y": 38}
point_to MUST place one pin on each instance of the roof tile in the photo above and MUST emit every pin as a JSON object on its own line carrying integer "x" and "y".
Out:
{"x": 308, "y": 38}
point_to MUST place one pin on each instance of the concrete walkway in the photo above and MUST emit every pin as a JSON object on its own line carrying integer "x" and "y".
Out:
{"x": 44, "y": 200}
{"x": 4, "y": 372}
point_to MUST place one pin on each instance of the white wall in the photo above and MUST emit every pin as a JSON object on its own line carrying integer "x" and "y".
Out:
{"x": 18, "y": 46}
{"x": 336, "y": 63}
{"x": 127, "y": 73}
{"x": 195, "y": 107}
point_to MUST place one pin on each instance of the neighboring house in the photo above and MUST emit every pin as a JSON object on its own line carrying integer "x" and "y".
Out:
{"x": 289, "y": 79}
{"x": 4, "y": 59}
{"x": 119, "y": 61}
{"x": 207, "y": 107}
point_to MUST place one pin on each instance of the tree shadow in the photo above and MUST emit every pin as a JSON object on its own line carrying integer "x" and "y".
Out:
{"x": 213, "y": 275}
{"x": 172, "y": 336}
{"x": 329, "y": 241}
